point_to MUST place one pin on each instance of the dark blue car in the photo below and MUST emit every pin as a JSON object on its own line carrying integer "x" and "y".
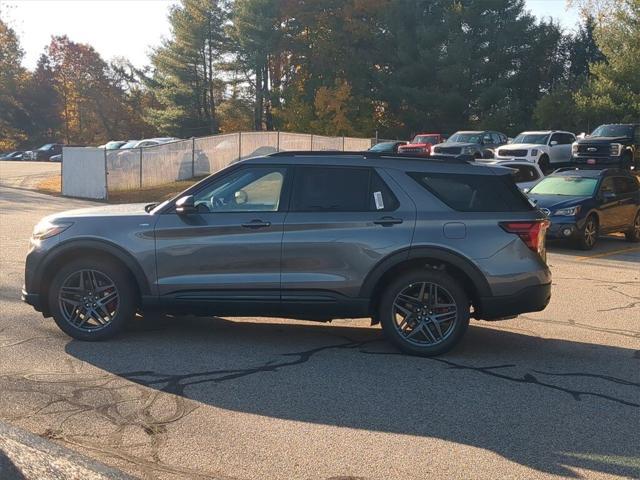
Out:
{"x": 582, "y": 204}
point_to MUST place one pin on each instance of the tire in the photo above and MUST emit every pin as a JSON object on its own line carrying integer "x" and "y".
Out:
{"x": 633, "y": 234}
{"x": 424, "y": 337}
{"x": 97, "y": 299}
{"x": 627, "y": 161}
{"x": 544, "y": 164}
{"x": 589, "y": 233}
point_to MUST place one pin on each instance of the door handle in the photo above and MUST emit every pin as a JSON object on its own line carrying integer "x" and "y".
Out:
{"x": 256, "y": 224}
{"x": 388, "y": 221}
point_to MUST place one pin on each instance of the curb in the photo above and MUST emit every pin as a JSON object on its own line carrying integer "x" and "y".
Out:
{"x": 24, "y": 455}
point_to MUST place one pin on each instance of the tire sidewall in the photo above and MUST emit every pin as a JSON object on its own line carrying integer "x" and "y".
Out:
{"x": 457, "y": 292}
{"x": 126, "y": 308}
{"x": 581, "y": 241}
{"x": 544, "y": 164}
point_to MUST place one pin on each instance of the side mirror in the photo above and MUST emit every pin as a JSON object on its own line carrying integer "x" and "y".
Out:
{"x": 186, "y": 205}
{"x": 553, "y": 143}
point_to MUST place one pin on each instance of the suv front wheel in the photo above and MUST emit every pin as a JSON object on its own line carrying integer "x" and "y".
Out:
{"x": 424, "y": 312}
{"x": 91, "y": 299}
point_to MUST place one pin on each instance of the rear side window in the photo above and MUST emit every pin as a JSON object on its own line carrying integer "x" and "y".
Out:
{"x": 338, "y": 189}
{"x": 475, "y": 193}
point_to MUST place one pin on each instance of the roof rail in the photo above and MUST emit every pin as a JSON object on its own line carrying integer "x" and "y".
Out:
{"x": 587, "y": 167}
{"x": 369, "y": 154}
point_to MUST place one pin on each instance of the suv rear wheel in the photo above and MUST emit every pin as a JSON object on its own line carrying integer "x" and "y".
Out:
{"x": 424, "y": 312}
{"x": 91, "y": 299}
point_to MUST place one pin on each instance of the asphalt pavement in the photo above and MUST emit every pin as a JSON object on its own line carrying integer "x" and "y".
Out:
{"x": 553, "y": 394}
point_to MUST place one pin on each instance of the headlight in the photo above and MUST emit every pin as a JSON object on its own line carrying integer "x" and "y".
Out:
{"x": 568, "y": 212}
{"x": 615, "y": 149}
{"x": 534, "y": 152}
{"x": 574, "y": 148}
{"x": 46, "y": 229}
{"x": 467, "y": 150}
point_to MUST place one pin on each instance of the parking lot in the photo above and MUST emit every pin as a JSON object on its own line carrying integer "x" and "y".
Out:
{"x": 550, "y": 394}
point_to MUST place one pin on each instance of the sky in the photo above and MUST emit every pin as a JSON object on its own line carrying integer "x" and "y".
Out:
{"x": 131, "y": 28}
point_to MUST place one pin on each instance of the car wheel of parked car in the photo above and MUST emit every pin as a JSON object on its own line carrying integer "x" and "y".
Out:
{"x": 589, "y": 233}
{"x": 633, "y": 234}
{"x": 91, "y": 299}
{"x": 424, "y": 312}
{"x": 544, "y": 164}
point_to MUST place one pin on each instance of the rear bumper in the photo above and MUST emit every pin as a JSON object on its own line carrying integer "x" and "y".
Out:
{"x": 530, "y": 299}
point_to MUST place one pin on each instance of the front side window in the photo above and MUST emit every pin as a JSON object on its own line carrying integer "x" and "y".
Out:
{"x": 251, "y": 189}
{"x": 475, "y": 193}
{"x": 340, "y": 189}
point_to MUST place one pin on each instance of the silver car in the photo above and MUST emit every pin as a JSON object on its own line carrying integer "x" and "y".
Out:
{"x": 418, "y": 245}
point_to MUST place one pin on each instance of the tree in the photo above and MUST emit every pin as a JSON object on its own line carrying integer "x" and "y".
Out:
{"x": 613, "y": 92}
{"x": 184, "y": 80}
{"x": 13, "y": 118}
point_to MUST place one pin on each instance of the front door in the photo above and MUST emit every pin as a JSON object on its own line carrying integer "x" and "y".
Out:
{"x": 342, "y": 222}
{"x": 230, "y": 249}
{"x": 611, "y": 208}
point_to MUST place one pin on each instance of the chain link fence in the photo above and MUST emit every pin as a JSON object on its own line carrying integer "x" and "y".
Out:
{"x": 137, "y": 168}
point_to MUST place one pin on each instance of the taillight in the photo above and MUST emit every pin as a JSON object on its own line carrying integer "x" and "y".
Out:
{"x": 532, "y": 233}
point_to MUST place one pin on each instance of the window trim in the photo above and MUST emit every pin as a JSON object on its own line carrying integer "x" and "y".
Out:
{"x": 371, "y": 171}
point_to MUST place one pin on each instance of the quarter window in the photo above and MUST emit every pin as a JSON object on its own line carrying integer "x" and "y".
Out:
{"x": 339, "y": 189}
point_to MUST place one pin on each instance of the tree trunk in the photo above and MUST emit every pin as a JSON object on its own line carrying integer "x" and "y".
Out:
{"x": 267, "y": 95}
{"x": 257, "y": 112}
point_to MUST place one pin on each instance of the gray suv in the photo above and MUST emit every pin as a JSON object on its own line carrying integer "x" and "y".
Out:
{"x": 418, "y": 245}
{"x": 477, "y": 144}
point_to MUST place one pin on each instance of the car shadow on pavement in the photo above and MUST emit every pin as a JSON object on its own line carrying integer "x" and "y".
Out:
{"x": 613, "y": 247}
{"x": 543, "y": 403}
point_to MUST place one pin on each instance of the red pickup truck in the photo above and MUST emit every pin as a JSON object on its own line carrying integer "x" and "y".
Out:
{"x": 421, "y": 144}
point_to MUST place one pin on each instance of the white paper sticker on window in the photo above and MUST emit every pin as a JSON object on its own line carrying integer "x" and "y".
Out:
{"x": 377, "y": 196}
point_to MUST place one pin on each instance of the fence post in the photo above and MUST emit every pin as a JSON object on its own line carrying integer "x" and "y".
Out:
{"x": 106, "y": 173}
{"x": 239, "y": 145}
{"x": 193, "y": 157}
{"x": 140, "y": 167}
{"x": 312, "y": 142}
{"x": 278, "y": 141}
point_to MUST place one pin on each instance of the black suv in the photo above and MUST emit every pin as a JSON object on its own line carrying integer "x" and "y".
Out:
{"x": 616, "y": 145}
{"x": 419, "y": 245}
{"x": 45, "y": 152}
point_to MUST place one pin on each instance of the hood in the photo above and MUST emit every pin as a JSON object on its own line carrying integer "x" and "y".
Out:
{"x": 415, "y": 145}
{"x": 457, "y": 144}
{"x": 520, "y": 146}
{"x": 130, "y": 209}
{"x": 555, "y": 202}
{"x": 602, "y": 140}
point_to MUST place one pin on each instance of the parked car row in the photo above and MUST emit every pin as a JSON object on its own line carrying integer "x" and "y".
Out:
{"x": 608, "y": 145}
{"x": 52, "y": 152}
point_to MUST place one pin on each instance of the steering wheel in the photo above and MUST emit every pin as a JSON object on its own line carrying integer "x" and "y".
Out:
{"x": 217, "y": 202}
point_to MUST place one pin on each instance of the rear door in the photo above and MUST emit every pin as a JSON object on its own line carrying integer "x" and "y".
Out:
{"x": 342, "y": 221}
{"x": 627, "y": 192}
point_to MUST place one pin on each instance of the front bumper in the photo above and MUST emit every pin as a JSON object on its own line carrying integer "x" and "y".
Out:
{"x": 32, "y": 299}
{"x": 595, "y": 161}
{"x": 530, "y": 299}
{"x": 563, "y": 228}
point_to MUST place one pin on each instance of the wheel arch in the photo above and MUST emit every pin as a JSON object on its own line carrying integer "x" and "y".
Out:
{"x": 74, "y": 249}
{"x": 437, "y": 258}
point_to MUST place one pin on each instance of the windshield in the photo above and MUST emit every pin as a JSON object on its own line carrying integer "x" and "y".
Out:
{"x": 46, "y": 147}
{"x": 535, "y": 138}
{"x": 569, "y": 186}
{"x": 432, "y": 139}
{"x": 465, "y": 138}
{"x": 382, "y": 147}
{"x": 113, "y": 145}
{"x": 130, "y": 144}
{"x": 613, "y": 131}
